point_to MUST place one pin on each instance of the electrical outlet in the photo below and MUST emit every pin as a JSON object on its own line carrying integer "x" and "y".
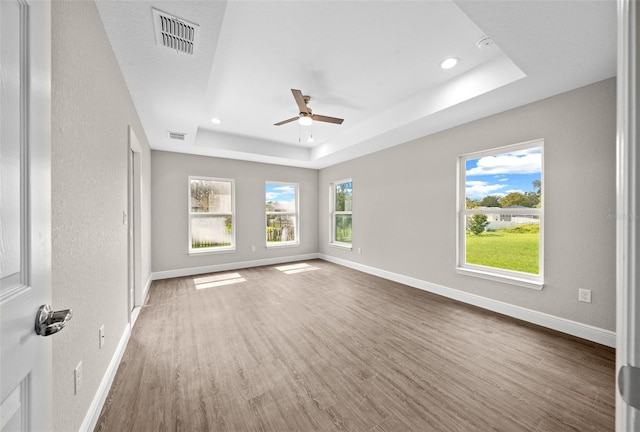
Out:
{"x": 253, "y": 248}
{"x": 101, "y": 337}
{"x": 584, "y": 295}
{"x": 359, "y": 250}
{"x": 77, "y": 378}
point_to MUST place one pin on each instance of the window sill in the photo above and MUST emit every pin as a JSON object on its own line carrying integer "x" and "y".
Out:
{"x": 212, "y": 251}
{"x": 282, "y": 245}
{"x": 512, "y": 280}
{"x": 346, "y": 246}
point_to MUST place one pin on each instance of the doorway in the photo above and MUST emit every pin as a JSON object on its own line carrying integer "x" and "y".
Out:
{"x": 135, "y": 286}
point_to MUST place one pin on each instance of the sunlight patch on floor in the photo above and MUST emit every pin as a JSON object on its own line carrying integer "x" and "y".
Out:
{"x": 218, "y": 280}
{"x": 296, "y": 268}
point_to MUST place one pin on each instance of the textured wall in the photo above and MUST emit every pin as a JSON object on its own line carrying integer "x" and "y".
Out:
{"x": 414, "y": 184}
{"x": 91, "y": 112}
{"x": 170, "y": 173}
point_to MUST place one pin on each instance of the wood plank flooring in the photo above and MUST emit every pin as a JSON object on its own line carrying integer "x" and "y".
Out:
{"x": 326, "y": 348}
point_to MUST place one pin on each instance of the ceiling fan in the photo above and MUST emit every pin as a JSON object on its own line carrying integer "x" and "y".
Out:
{"x": 306, "y": 116}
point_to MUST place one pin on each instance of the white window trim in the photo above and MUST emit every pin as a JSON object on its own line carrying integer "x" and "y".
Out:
{"x": 512, "y": 277}
{"x": 496, "y": 276}
{"x": 213, "y": 250}
{"x": 341, "y": 245}
{"x": 296, "y": 242}
{"x": 333, "y": 213}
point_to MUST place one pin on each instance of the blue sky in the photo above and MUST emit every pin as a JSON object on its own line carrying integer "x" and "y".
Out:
{"x": 278, "y": 192}
{"x": 503, "y": 173}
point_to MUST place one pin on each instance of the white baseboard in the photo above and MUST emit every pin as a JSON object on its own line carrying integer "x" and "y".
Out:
{"x": 134, "y": 315}
{"x": 91, "y": 418}
{"x": 584, "y": 331}
{"x": 230, "y": 266}
{"x": 145, "y": 290}
{"x": 136, "y": 310}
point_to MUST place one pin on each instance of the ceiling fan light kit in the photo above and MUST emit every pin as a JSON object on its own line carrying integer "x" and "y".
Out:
{"x": 305, "y": 120}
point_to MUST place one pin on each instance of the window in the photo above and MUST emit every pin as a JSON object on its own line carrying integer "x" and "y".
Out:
{"x": 500, "y": 217}
{"x": 341, "y": 212}
{"x": 211, "y": 215}
{"x": 281, "y": 201}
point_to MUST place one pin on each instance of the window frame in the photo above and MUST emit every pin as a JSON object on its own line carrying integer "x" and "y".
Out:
{"x": 212, "y": 249}
{"x": 296, "y": 242}
{"x": 513, "y": 277}
{"x": 334, "y": 213}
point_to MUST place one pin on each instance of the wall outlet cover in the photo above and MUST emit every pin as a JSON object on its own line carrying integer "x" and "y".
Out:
{"x": 584, "y": 295}
{"x": 101, "y": 337}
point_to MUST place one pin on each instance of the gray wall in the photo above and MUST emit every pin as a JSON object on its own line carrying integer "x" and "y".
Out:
{"x": 91, "y": 112}
{"x": 170, "y": 172}
{"x": 404, "y": 204}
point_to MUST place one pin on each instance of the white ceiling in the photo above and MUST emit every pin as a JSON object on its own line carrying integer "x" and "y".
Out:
{"x": 373, "y": 63}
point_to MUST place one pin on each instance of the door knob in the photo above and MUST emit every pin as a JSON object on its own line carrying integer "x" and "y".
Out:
{"x": 629, "y": 385}
{"x": 49, "y": 321}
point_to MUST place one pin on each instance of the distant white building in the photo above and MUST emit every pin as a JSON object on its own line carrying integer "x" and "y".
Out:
{"x": 500, "y": 221}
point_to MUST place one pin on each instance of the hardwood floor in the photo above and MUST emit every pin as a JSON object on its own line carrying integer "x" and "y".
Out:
{"x": 323, "y": 348}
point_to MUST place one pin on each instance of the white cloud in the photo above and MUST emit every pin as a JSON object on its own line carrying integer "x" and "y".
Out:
{"x": 285, "y": 189}
{"x": 523, "y": 162}
{"x": 532, "y": 150}
{"x": 285, "y": 193}
{"x": 479, "y": 189}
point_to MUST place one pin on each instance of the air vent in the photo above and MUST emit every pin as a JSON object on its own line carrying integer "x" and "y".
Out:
{"x": 175, "y": 33}
{"x": 177, "y": 135}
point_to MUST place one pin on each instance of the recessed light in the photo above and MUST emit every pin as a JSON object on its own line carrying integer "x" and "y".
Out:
{"x": 216, "y": 121}
{"x": 449, "y": 63}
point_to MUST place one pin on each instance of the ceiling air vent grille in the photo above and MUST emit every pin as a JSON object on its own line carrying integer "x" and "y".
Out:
{"x": 176, "y": 135}
{"x": 175, "y": 33}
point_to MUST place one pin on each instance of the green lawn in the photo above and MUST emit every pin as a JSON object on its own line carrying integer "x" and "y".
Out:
{"x": 513, "y": 251}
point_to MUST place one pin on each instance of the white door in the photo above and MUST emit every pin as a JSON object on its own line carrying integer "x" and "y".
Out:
{"x": 25, "y": 213}
{"x": 628, "y": 220}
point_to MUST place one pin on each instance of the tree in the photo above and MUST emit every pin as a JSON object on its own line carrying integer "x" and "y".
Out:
{"x": 490, "y": 201}
{"x": 533, "y": 199}
{"x": 344, "y": 193}
{"x": 538, "y": 185}
{"x": 199, "y": 195}
{"x": 477, "y": 224}
{"x": 515, "y": 199}
{"x": 471, "y": 203}
{"x": 529, "y": 199}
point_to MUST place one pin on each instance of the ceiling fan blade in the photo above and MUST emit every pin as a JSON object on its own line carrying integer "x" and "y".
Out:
{"x": 297, "y": 95}
{"x": 286, "y": 121}
{"x": 327, "y": 119}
